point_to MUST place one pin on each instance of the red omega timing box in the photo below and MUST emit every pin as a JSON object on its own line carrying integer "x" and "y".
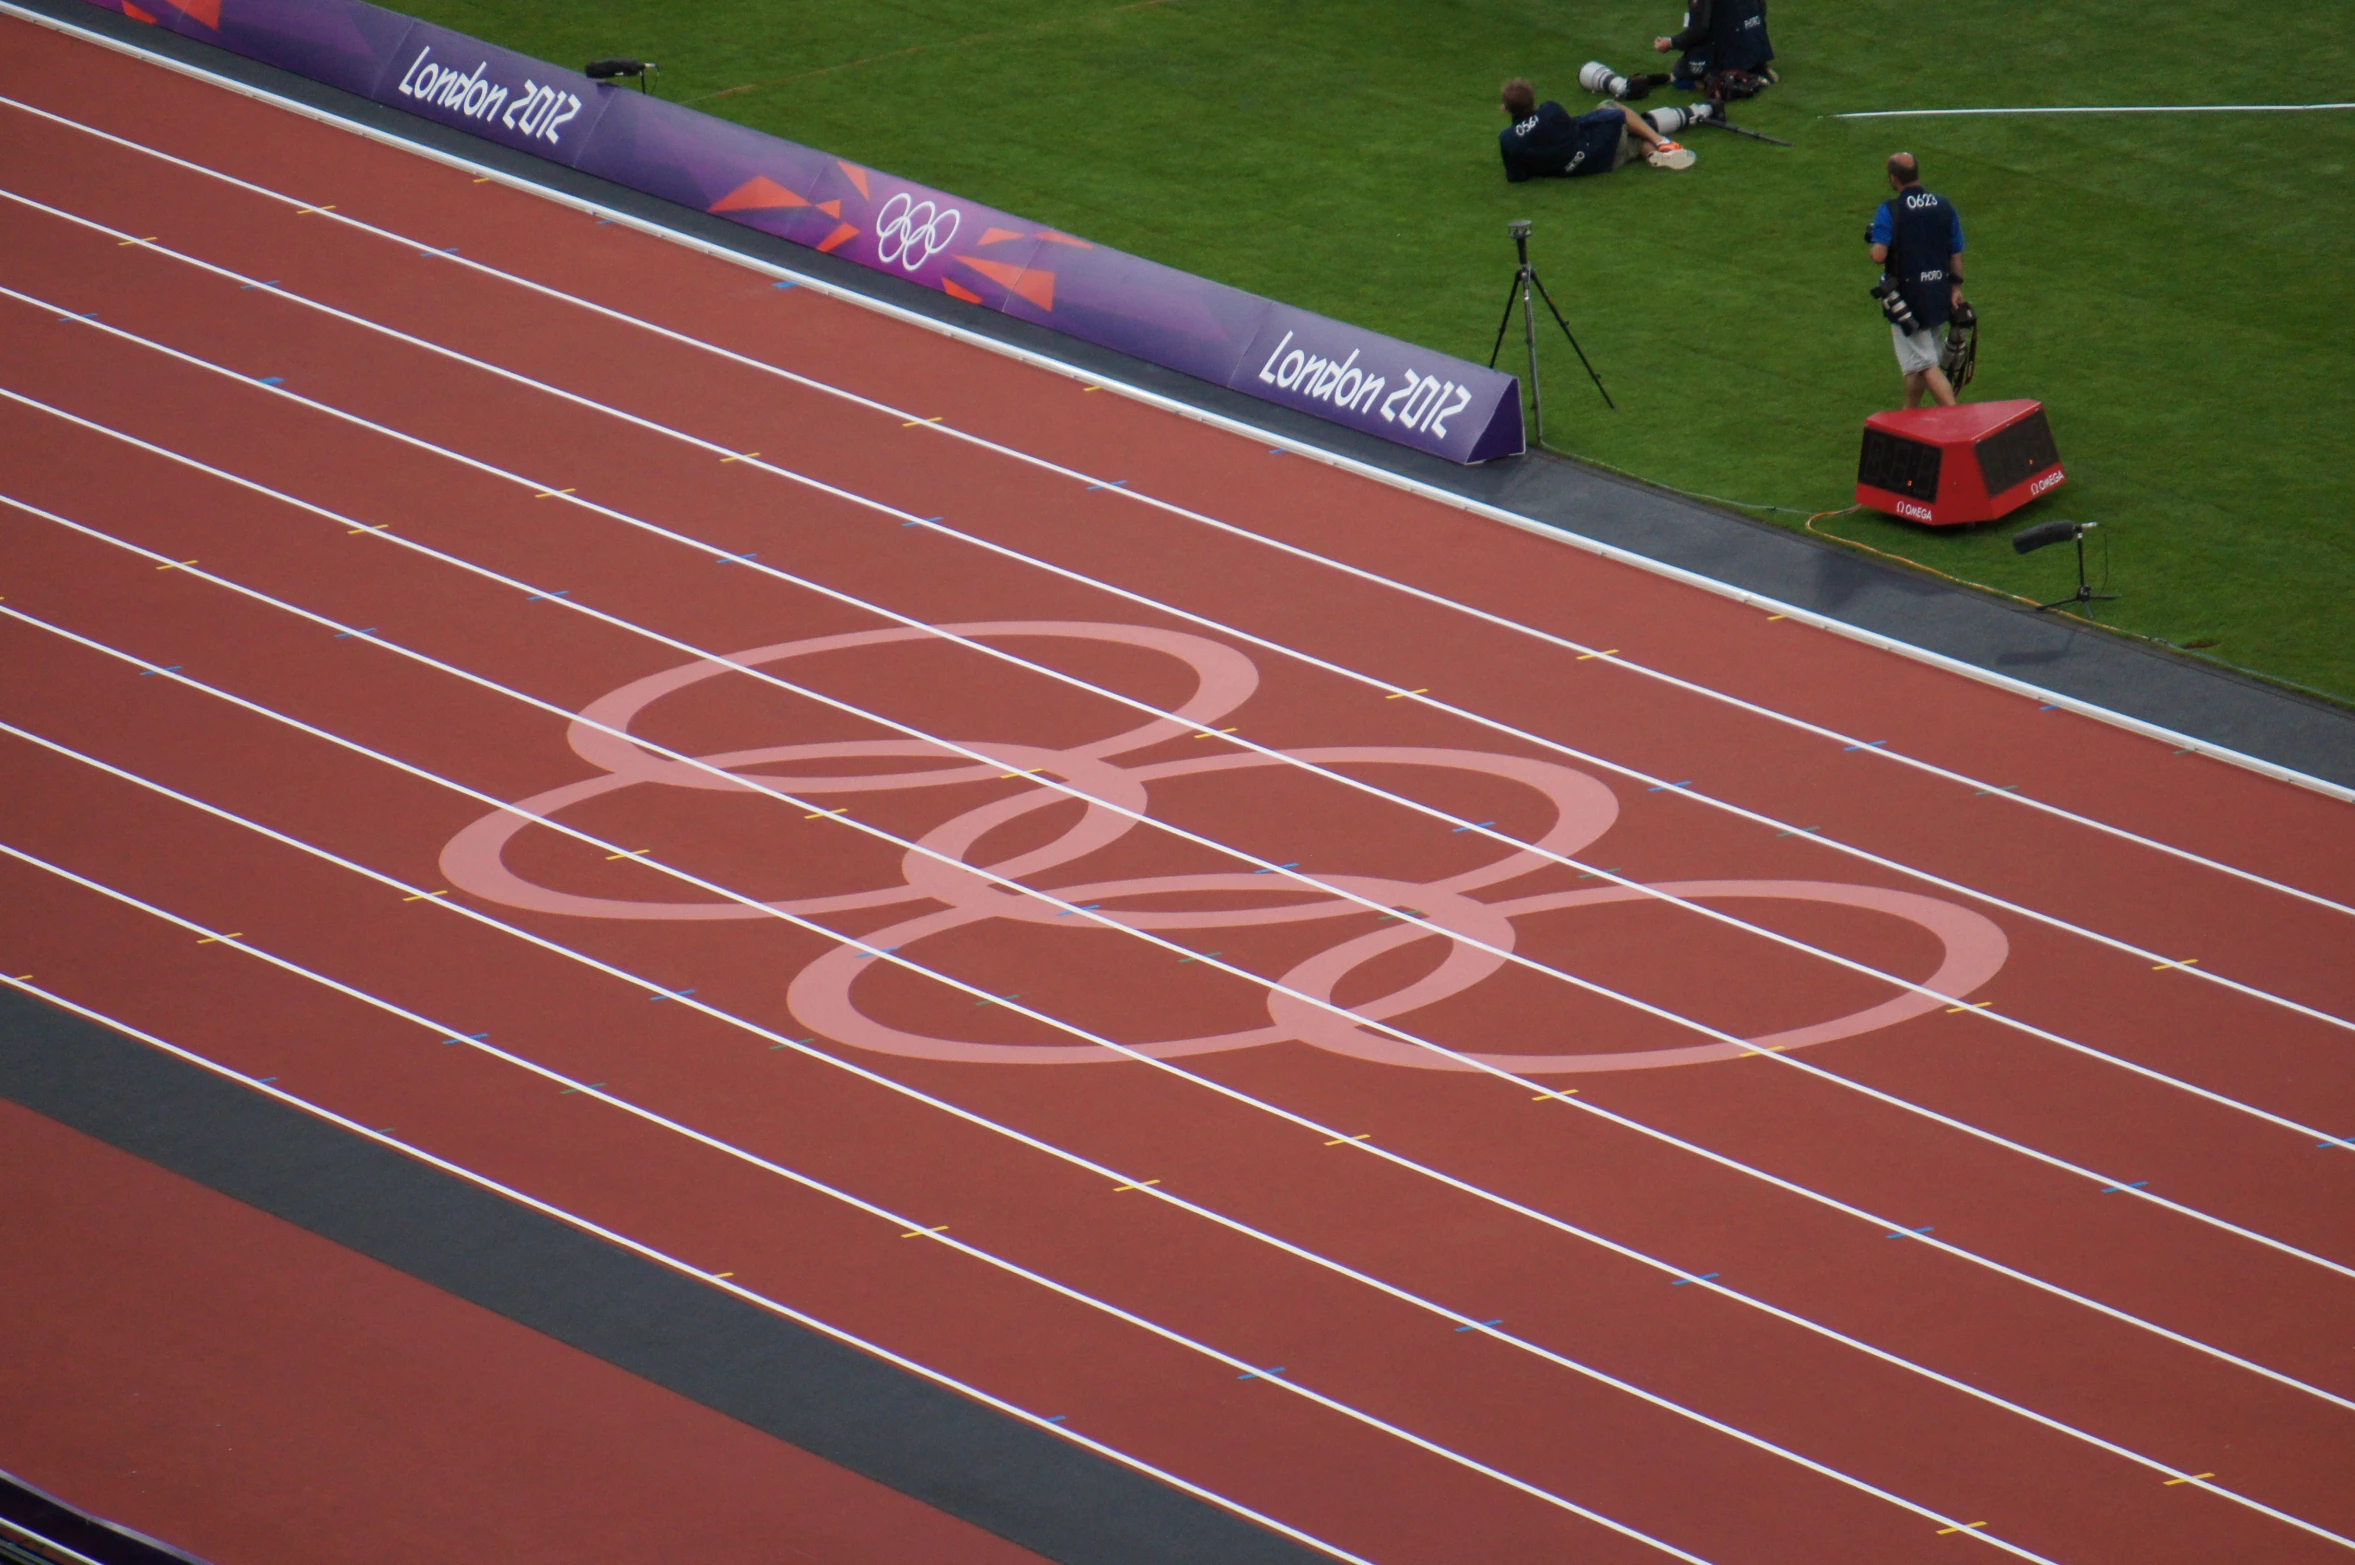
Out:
{"x": 1947, "y": 466}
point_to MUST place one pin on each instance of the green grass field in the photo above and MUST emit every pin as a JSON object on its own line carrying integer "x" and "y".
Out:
{"x": 2176, "y": 288}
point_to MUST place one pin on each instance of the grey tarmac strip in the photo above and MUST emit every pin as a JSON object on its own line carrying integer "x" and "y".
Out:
{"x": 787, "y": 1381}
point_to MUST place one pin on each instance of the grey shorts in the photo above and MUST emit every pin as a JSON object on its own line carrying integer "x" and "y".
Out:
{"x": 1916, "y": 353}
{"x": 1629, "y": 147}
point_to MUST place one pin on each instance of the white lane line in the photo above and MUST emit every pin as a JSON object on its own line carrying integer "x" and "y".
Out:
{"x": 1480, "y": 828}
{"x": 1678, "y": 1274}
{"x": 2103, "y": 1181}
{"x": 1375, "y": 474}
{"x": 1227, "y": 1092}
{"x": 904, "y": 1224}
{"x": 936, "y": 525}
{"x": 2109, "y": 1184}
{"x": 1061, "y": 1431}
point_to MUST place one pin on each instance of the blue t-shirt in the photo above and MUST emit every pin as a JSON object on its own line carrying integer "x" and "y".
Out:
{"x": 1923, "y": 233}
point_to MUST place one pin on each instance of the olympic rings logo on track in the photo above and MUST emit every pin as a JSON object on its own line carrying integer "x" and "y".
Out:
{"x": 909, "y": 232}
{"x": 942, "y": 896}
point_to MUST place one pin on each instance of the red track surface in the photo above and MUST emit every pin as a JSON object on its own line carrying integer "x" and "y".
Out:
{"x": 2109, "y": 1374}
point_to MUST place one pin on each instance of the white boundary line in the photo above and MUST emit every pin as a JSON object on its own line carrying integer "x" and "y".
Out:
{"x": 2154, "y": 108}
{"x": 1291, "y": 443}
{"x": 1060, "y": 1430}
{"x": 890, "y": 956}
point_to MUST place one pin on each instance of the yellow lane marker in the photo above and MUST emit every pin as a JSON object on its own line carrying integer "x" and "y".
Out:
{"x": 2189, "y": 961}
{"x": 22, "y": 978}
{"x": 307, "y": 211}
{"x": 1957, "y": 1010}
{"x": 723, "y": 1274}
{"x": 425, "y": 896}
{"x": 1965, "y": 1527}
{"x": 549, "y": 494}
{"x": 1213, "y": 733}
{"x": 745, "y": 457}
{"x": 819, "y": 815}
{"x": 1345, "y": 1140}
{"x": 934, "y": 419}
{"x": 232, "y": 935}
{"x": 1036, "y": 771}
{"x": 1771, "y": 618}
{"x": 1605, "y": 653}
{"x": 634, "y": 853}
{"x": 1091, "y": 388}
{"x": 918, "y": 1233}
{"x": 486, "y": 179}
{"x": 1555, "y": 1097}
{"x": 1142, "y": 1184}
{"x": 120, "y": 243}
{"x": 378, "y": 528}
{"x": 2194, "y": 1478}
{"x": 1401, "y": 695}
{"x": 175, "y": 565}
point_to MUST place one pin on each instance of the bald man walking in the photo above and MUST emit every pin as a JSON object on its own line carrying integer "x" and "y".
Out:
{"x": 1917, "y": 240}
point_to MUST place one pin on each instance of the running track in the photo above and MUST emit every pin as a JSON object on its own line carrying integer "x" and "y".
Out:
{"x": 1984, "y": 1203}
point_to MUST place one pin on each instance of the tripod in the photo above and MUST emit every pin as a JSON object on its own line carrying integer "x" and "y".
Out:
{"x": 2084, "y": 593}
{"x": 1523, "y": 281}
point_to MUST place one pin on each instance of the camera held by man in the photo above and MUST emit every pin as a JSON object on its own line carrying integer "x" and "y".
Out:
{"x": 1917, "y": 240}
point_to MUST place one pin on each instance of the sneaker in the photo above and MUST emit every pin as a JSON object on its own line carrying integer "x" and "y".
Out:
{"x": 1766, "y": 74}
{"x": 1670, "y": 154}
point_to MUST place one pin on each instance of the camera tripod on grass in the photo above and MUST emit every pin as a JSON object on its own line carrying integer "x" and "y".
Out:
{"x": 1524, "y": 281}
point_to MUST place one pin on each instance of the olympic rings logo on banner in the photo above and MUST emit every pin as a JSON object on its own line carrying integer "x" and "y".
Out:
{"x": 941, "y": 895}
{"x": 909, "y": 232}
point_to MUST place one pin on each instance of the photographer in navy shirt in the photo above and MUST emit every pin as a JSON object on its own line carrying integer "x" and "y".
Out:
{"x": 1545, "y": 138}
{"x": 1917, "y": 239}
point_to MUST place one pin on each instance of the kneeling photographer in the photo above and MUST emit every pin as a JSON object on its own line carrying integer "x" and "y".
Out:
{"x": 1916, "y": 238}
{"x": 1722, "y": 50}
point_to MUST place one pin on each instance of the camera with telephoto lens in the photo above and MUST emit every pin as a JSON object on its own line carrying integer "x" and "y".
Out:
{"x": 1894, "y": 306}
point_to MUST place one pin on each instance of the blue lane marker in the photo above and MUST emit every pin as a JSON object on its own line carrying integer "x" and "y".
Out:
{"x": 2343, "y": 1141}
{"x": 537, "y": 596}
{"x": 863, "y": 955}
{"x": 1255, "y": 1374}
{"x": 787, "y": 283}
{"x": 174, "y": 669}
{"x": 2049, "y": 706}
{"x": 268, "y": 1078}
{"x": 1067, "y": 912}
{"x": 776, "y": 1046}
{"x": 1113, "y": 484}
{"x": 1903, "y": 1232}
{"x": 427, "y": 255}
{"x": 676, "y": 995}
{"x": 2137, "y": 1185}
{"x": 1475, "y": 827}
{"x": 1875, "y": 745}
{"x": 1687, "y": 783}
{"x": 1059, "y": 1417}
{"x": 273, "y": 380}
{"x": 1704, "y": 1277}
{"x": 730, "y": 559}
{"x": 921, "y": 521}
{"x": 67, "y": 320}
{"x": 1295, "y": 864}
{"x": 1275, "y": 450}
{"x": 472, "y": 1037}
{"x": 365, "y": 630}
{"x": 272, "y": 283}
{"x": 1499, "y": 1321}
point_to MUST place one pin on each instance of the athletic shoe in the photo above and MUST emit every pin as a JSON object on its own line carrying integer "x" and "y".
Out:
{"x": 1670, "y": 154}
{"x": 1766, "y": 74}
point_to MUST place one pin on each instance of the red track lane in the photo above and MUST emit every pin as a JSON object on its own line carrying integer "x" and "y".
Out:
{"x": 207, "y": 1374}
{"x": 1307, "y": 1467}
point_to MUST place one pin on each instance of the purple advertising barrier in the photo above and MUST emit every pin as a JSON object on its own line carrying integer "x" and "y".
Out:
{"x": 1275, "y": 352}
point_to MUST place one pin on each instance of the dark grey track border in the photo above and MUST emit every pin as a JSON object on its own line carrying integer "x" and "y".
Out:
{"x": 2149, "y": 684}
{"x": 1008, "y": 1477}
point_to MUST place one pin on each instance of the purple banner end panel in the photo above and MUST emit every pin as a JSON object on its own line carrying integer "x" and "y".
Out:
{"x": 994, "y": 259}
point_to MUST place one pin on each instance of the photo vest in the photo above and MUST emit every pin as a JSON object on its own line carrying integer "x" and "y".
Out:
{"x": 1921, "y": 236}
